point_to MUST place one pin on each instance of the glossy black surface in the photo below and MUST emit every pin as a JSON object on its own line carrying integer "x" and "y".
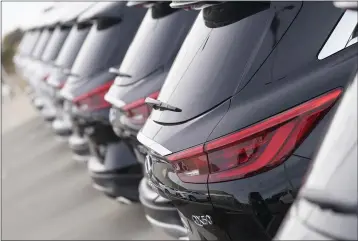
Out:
{"x": 30, "y": 44}
{"x": 201, "y": 77}
{"x": 55, "y": 43}
{"x": 42, "y": 42}
{"x": 72, "y": 46}
{"x": 277, "y": 75}
{"x": 155, "y": 45}
{"x": 106, "y": 47}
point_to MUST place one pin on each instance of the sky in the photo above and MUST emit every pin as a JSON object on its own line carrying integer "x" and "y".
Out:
{"x": 17, "y": 14}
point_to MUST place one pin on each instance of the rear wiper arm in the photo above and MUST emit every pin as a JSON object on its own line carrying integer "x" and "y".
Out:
{"x": 116, "y": 72}
{"x": 327, "y": 202}
{"x": 159, "y": 105}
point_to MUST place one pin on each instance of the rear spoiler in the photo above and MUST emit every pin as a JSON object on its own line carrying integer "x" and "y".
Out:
{"x": 346, "y": 5}
{"x": 193, "y": 5}
{"x": 144, "y": 4}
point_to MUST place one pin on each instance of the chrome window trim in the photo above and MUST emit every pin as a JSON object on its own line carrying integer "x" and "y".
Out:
{"x": 352, "y": 41}
{"x": 116, "y": 102}
{"x": 153, "y": 145}
{"x": 340, "y": 35}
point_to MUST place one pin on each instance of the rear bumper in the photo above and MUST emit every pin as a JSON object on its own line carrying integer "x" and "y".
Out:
{"x": 121, "y": 186}
{"x": 79, "y": 146}
{"x": 160, "y": 212}
{"x": 62, "y": 128}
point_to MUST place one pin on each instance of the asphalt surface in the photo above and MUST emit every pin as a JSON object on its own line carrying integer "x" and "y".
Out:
{"x": 46, "y": 195}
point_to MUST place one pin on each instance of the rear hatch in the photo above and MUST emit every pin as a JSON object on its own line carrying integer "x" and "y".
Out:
{"x": 151, "y": 53}
{"x": 42, "y": 42}
{"x": 68, "y": 53}
{"x": 225, "y": 47}
{"x": 107, "y": 40}
{"x": 104, "y": 47}
{"x": 55, "y": 43}
{"x": 30, "y": 45}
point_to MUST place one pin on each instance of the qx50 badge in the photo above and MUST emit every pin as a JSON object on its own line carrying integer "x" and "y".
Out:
{"x": 202, "y": 220}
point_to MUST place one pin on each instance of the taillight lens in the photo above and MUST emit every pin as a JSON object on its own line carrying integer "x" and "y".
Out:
{"x": 60, "y": 86}
{"x": 45, "y": 78}
{"x": 94, "y": 99}
{"x": 254, "y": 149}
{"x": 138, "y": 111}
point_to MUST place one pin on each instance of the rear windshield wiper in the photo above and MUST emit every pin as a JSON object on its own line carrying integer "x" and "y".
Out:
{"x": 118, "y": 73}
{"x": 324, "y": 201}
{"x": 159, "y": 105}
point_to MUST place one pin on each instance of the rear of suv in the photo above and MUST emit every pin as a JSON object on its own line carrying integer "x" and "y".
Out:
{"x": 113, "y": 28}
{"x": 243, "y": 109}
{"x": 141, "y": 74}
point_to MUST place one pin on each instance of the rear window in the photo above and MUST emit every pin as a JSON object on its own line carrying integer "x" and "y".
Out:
{"x": 41, "y": 44}
{"x": 210, "y": 55}
{"x": 72, "y": 46}
{"x": 55, "y": 43}
{"x": 155, "y": 44}
{"x": 97, "y": 50}
{"x": 31, "y": 44}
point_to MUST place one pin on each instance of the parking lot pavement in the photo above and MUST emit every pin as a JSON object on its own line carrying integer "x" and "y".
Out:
{"x": 46, "y": 195}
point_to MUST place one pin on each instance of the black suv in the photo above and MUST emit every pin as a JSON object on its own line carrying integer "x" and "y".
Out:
{"x": 243, "y": 110}
{"x": 113, "y": 28}
{"x": 142, "y": 74}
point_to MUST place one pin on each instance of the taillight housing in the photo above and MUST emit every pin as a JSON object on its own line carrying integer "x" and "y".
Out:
{"x": 94, "y": 99}
{"x": 45, "y": 77}
{"x": 254, "y": 149}
{"x": 138, "y": 111}
{"x": 60, "y": 85}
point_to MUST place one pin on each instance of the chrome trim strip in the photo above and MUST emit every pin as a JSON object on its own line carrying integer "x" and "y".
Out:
{"x": 165, "y": 225}
{"x": 124, "y": 200}
{"x": 80, "y": 158}
{"x": 153, "y": 145}
{"x": 100, "y": 188}
{"x": 184, "y": 238}
{"x": 147, "y": 204}
{"x": 146, "y": 191}
{"x": 114, "y": 101}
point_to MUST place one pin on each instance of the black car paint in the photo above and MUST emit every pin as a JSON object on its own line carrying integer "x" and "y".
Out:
{"x": 55, "y": 43}
{"x": 148, "y": 61}
{"x": 232, "y": 65}
{"x": 42, "y": 42}
{"x": 251, "y": 208}
{"x": 101, "y": 50}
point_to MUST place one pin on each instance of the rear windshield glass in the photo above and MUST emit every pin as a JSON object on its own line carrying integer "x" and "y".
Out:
{"x": 25, "y": 38}
{"x": 55, "y": 43}
{"x": 209, "y": 56}
{"x": 155, "y": 44}
{"x": 30, "y": 45}
{"x": 72, "y": 46}
{"x": 40, "y": 46}
{"x": 97, "y": 50}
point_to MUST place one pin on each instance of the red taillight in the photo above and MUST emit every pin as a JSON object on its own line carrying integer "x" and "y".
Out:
{"x": 138, "y": 111}
{"x": 94, "y": 99}
{"x": 60, "y": 86}
{"x": 254, "y": 149}
{"x": 45, "y": 78}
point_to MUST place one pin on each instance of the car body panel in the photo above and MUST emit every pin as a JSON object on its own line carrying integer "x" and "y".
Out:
{"x": 250, "y": 208}
{"x": 198, "y": 74}
{"x": 335, "y": 180}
